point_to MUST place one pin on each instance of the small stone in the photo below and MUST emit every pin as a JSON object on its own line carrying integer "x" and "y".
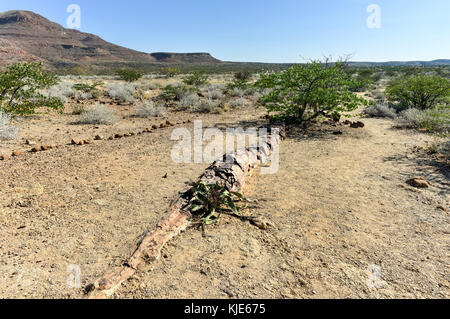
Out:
{"x": 110, "y": 138}
{"x": 75, "y": 141}
{"x": 81, "y": 142}
{"x": 169, "y": 123}
{"x": 357, "y": 125}
{"x": 87, "y": 142}
{"x": 30, "y": 142}
{"x": 45, "y": 147}
{"x": 119, "y": 135}
{"x": 442, "y": 208}
{"x": 418, "y": 182}
{"x": 4, "y": 157}
{"x": 261, "y": 223}
{"x": 35, "y": 149}
{"x": 154, "y": 127}
{"x": 98, "y": 137}
{"x": 16, "y": 153}
{"x": 163, "y": 125}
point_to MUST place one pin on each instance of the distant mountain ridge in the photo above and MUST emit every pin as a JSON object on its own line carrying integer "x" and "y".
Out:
{"x": 37, "y": 38}
{"x": 439, "y": 62}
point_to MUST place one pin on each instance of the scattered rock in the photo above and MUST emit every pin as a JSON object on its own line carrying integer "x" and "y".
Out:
{"x": 75, "y": 141}
{"x": 338, "y": 132}
{"x": 45, "y": 147}
{"x": 163, "y": 125}
{"x": 4, "y": 157}
{"x": 261, "y": 223}
{"x": 98, "y": 137}
{"x": 442, "y": 208}
{"x": 16, "y": 153}
{"x": 418, "y": 182}
{"x": 110, "y": 138}
{"x": 169, "y": 123}
{"x": 87, "y": 142}
{"x": 30, "y": 142}
{"x": 154, "y": 127}
{"x": 35, "y": 149}
{"x": 119, "y": 135}
{"x": 357, "y": 125}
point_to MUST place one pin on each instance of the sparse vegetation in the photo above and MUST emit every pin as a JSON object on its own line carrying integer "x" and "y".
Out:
{"x": 419, "y": 91}
{"x": 97, "y": 114}
{"x": 380, "y": 110}
{"x": 196, "y": 79}
{"x": 21, "y": 86}
{"x": 7, "y": 131}
{"x": 148, "y": 109}
{"x": 129, "y": 75}
{"x": 121, "y": 92}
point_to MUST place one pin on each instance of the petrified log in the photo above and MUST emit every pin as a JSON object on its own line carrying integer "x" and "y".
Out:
{"x": 229, "y": 172}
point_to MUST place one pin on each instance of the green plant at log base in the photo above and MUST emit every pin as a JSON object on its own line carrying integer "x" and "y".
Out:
{"x": 211, "y": 201}
{"x": 21, "y": 86}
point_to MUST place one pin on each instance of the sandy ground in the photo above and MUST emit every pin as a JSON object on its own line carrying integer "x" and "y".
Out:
{"x": 345, "y": 222}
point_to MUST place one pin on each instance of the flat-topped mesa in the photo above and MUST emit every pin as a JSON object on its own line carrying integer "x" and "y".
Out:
{"x": 199, "y": 57}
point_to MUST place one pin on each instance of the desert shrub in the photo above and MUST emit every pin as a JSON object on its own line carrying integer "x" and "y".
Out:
{"x": 175, "y": 92}
{"x": 62, "y": 91}
{"x": 236, "y": 92}
{"x": 190, "y": 102}
{"x": 215, "y": 94}
{"x": 245, "y": 75}
{"x": 148, "y": 109}
{"x": 196, "y": 79}
{"x": 380, "y": 110}
{"x": 97, "y": 114}
{"x": 78, "y": 109}
{"x": 7, "y": 131}
{"x": 129, "y": 75}
{"x": 307, "y": 91}
{"x": 419, "y": 91}
{"x": 209, "y": 106}
{"x": 21, "y": 87}
{"x": 122, "y": 92}
{"x": 171, "y": 72}
{"x": 87, "y": 91}
{"x": 240, "y": 102}
{"x": 432, "y": 120}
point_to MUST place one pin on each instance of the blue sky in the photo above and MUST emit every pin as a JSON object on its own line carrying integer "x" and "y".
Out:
{"x": 263, "y": 30}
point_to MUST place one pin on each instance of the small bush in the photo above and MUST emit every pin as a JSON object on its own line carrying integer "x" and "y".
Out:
{"x": 171, "y": 72}
{"x": 215, "y": 94}
{"x": 209, "y": 106}
{"x": 240, "y": 102}
{"x": 435, "y": 120}
{"x": 196, "y": 79}
{"x": 243, "y": 75}
{"x": 190, "y": 102}
{"x": 129, "y": 75}
{"x": 97, "y": 114}
{"x": 7, "y": 131}
{"x": 380, "y": 110}
{"x": 175, "y": 92}
{"x": 419, "y": 91}
{"x": 78, "y": 109}
{"x": 148, "y": 109}
{"x": 121, "y": 92}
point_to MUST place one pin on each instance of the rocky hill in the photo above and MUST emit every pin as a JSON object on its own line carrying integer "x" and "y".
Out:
{"x": 27, "y": 36}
